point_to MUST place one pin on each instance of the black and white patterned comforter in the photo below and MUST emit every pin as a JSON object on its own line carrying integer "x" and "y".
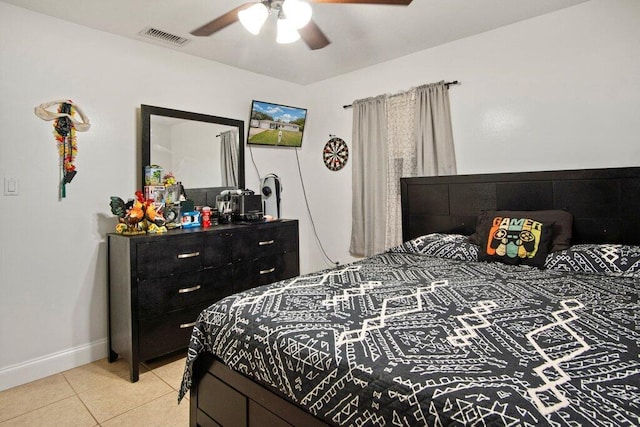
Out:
{"x": 407, "y": 339}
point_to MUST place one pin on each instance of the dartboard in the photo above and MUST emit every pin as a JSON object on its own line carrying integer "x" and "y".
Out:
{"x": 335, "y": 154}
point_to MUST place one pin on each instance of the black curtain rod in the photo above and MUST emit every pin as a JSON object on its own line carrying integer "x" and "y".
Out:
{"x": 447, "y": 84}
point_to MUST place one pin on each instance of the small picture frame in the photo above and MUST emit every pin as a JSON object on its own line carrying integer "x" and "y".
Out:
{"x": 155, "y": 193}
{"x": 172, "y": 194}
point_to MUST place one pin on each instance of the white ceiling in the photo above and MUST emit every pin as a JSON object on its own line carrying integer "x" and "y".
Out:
{"x": 361, "y": 35}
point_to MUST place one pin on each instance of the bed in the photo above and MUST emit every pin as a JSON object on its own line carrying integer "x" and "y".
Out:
{"x": 432, "y": 332}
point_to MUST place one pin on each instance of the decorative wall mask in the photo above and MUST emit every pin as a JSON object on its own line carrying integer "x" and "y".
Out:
{"x": 64, "y": 129}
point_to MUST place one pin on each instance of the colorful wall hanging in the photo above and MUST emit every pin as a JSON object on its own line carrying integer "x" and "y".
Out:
{"x": 64, "y": 129}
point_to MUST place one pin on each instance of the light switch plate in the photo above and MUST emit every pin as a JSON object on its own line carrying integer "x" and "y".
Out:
{"x": 11, "y": 186}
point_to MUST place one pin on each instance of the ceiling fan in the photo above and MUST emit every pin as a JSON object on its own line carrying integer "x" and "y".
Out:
{"x": 293, "y": 19}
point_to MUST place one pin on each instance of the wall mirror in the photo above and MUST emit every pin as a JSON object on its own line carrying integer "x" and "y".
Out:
{"x": 205, "y": 153}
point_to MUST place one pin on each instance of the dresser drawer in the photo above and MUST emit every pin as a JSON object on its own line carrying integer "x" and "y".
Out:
{"x": 265, "y": 270}
{"x": 161, "y": 295}
{"x": 181, "y": 254}
{"x": 163, "y": 334}
{"x": 163, "y": 257}
{"x": 260, "y": 242}
{"x": 217, "y": 249}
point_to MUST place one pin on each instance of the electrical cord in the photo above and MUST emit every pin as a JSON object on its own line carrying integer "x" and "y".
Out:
{"x": 313, "y": 225}
{"x": 254, "y": 163}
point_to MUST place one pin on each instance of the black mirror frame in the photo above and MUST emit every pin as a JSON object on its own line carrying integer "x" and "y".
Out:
{"x": 202, "y": 196}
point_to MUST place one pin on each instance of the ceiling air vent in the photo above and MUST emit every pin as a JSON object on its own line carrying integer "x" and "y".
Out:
{"x": 163, "y": 36}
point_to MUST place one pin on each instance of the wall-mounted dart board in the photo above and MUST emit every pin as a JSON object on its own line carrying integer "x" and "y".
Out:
{"x": 335, "y": 154}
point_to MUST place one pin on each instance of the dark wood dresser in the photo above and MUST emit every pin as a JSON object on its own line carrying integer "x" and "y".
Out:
{"x": 158, "y": 284}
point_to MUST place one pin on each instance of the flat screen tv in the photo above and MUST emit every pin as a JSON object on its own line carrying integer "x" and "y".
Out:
{"x": 276, "y": 125}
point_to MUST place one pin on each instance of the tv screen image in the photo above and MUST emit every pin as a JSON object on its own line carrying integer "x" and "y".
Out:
{"x": 276, "y": 124}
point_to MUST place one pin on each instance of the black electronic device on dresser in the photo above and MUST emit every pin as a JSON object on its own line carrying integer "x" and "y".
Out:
{"x": 158, "y": 284}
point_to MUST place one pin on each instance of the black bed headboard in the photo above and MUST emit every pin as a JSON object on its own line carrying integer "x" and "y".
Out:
{"x": 605, "y": 203}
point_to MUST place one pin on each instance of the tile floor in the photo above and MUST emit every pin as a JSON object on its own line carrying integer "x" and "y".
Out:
{"x": 100, "y": 394}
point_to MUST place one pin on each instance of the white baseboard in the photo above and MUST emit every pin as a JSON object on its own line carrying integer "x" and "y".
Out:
{"x": 54, "y": 363}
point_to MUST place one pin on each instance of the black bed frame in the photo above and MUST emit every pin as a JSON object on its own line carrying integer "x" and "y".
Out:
{"x": 606, "y": 208}
{"x": 605, "y": 203}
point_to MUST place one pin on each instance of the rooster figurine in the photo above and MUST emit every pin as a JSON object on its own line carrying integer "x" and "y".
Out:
{"x": 137, "y": 216}
{"x": 129, "y": 215}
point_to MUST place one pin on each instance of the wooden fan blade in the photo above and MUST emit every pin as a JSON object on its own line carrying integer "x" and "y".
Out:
{"x": 313, "y": 36}
{"x": 390, "y": 2}
{"x": 220, "y": 22}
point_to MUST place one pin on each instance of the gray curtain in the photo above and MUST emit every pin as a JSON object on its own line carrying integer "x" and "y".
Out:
{"x": 229, "y": 158}
{"x": 434, "y": 136}
{"x": 369, "y": 173}
{"x": 396, "y": 136}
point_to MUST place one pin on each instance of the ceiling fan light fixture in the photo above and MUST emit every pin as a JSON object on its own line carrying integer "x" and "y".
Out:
{"x": 252, "y": 18}
{"x": 298, "y": 12}
{"x": 286, "y": 32}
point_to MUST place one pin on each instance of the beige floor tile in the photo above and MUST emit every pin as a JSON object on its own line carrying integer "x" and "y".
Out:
{"x": 163, "y": 411}
{"x": 171, "y": 372}
{"x": 99, "y": 374}
{"x": 28, "y": 397}
{"x": 121, "y": 396}
{"x": 67, "y": 412}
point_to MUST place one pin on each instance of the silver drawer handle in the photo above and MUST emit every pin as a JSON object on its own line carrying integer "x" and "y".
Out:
{"x": 271, "y": 270}
{"x": 266, "y": 242}
{"x": 187, "y": 290}
{"x": 189, "y": 255}
{"x": 187, "y": 325}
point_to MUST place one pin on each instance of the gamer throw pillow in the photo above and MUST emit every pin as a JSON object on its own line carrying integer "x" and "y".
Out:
{"x": 514, "y": 240}
{"x": 561, "y": 229}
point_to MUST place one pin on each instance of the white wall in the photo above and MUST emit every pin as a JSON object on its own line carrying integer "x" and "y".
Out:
{"x": 560, "y": 91}
{"x": 53, "y": 306}
{"x": 557, "y": 91}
